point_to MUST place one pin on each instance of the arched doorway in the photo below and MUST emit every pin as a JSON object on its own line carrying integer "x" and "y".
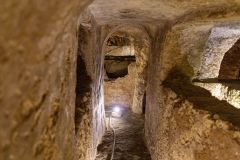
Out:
{"x": 126, "y": 50}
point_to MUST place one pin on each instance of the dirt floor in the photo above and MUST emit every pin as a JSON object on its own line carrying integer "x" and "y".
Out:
{"x": 129, "y": 138}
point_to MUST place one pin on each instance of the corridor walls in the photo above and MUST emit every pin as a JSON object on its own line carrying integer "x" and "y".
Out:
{"x": 38, "y": 46}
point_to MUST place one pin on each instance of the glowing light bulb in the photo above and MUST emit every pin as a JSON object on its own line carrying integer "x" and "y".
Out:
{"x": 116, "y": 112}
{"x": 116, "y": 109}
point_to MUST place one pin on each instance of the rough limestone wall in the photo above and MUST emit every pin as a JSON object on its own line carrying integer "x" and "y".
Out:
{"x": 155, "y": 140}
{"x": 221, "y": 39}
{"x": 84, "y": 106}
{"x": 182, "y": 47}
{"x": 93, "y": 123}
{"x": 120, "y": 91}
{"x": 83, "y": 118}
{"x": 98, "y": 113}
{"x": 196, "y": 134}
{"x": 37, "y": 83}
{"x": 142, "y": 53}
{"x": 178, "y": 46}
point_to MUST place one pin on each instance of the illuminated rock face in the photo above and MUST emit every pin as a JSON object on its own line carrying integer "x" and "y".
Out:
{"x": 226, "y": 91}
{"x": 120, "y": 91}
{"x": 45, "y": 116}
{"x": 221, "y": 39}
{"x": 89, "y": 111}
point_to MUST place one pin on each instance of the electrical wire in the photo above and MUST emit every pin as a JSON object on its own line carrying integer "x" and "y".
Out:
{"x": 114, "y": 137}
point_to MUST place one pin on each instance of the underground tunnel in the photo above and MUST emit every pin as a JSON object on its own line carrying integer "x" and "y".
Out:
{"x": 120, "y": 80}
{"x": 124, "y": 71}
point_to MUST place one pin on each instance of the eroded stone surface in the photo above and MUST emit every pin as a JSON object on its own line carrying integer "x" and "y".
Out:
{"x": 38, "y": 46}
{"x": 220, "y": 41}
{"x": 229, "y": 92}
{"x": 198, "y": 134}
{"x": 38, "y": 64}
{"x": 121, "y": 91}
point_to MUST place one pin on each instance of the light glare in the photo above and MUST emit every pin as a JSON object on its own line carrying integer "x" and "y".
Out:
{"x": 116, "y": 109}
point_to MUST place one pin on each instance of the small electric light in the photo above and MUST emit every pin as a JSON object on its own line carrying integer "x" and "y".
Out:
{"x": 117, "y": 112}
{"x": 116, "y": 109}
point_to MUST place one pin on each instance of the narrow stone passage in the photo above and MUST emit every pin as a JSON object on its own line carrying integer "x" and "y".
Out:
{"x": 129, "y": 138}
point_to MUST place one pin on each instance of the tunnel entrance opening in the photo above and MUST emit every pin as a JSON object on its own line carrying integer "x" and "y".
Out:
{"x": 117, "y": 66}
{"x": 125, "y": 63}
{"x": 120, "y": 68}
{"x": 126, "y": 52}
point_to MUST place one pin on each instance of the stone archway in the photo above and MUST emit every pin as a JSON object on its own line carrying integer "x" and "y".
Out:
{"x": 141, "y": 44}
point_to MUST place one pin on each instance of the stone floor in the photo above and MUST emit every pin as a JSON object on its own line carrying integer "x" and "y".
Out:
{"x": 129, "y": 139}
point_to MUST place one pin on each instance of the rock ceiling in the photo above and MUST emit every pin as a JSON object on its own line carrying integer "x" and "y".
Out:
{"x": 156, "y": 10}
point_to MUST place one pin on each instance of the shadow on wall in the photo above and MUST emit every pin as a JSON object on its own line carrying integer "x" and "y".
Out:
{"x": 201, "y": 98}
{"x": 83, "y": 89}
{"x": 230, "y": 66}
